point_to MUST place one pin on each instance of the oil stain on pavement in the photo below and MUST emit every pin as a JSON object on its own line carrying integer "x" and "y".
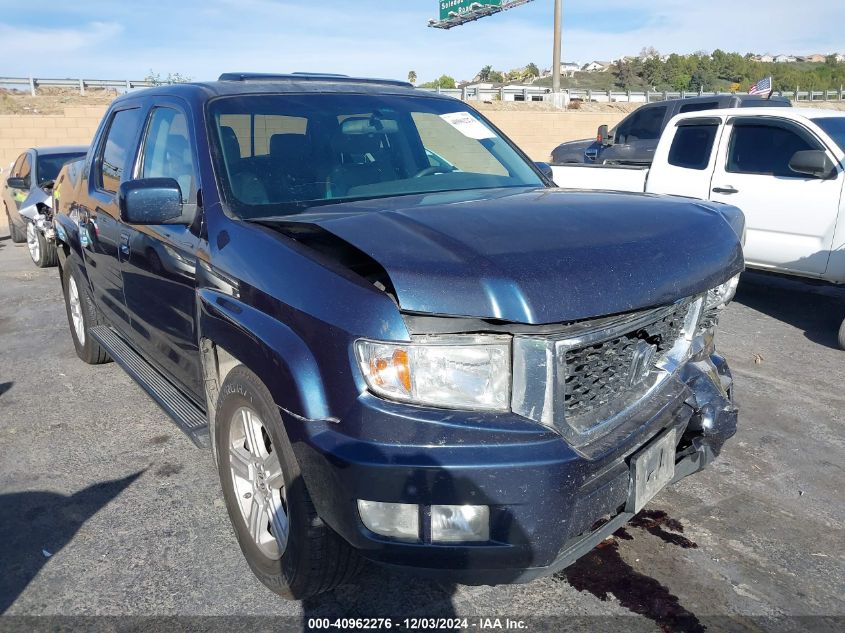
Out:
{"x": 603, "y": 573}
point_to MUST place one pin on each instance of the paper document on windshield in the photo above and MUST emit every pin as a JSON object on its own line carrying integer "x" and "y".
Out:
{"x": 467, "y": 125}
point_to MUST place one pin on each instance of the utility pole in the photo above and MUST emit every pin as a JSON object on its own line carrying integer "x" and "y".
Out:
{"x": 556, "y": 53}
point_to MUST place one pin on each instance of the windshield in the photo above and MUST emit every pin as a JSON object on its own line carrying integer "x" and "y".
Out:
{"x": 835, "y": 128}
{"x": 281, "y": 154}
{"x": 49, "y": 165}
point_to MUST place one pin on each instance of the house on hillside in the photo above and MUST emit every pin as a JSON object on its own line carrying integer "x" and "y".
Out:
{"x": 815, "y": 58}
{"x": 839, "y": 57}
{"x": 785, "y": 59}
{"x": 768, "y": 59}
{"x": 597, "y": 67}
{"x": 568, "y": 69}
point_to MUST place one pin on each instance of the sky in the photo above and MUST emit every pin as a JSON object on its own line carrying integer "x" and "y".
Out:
{"x": 98, "y": 39}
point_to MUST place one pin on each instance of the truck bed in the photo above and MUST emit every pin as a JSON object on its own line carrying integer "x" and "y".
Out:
{"x": 604, "y": 177}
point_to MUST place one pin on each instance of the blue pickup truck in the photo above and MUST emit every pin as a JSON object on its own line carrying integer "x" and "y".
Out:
{"x": 401, "y": 343}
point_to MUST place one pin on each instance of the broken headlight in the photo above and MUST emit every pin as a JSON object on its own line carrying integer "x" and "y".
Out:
{"x": 455, "y": 371}
{"x": 721, "y": 295}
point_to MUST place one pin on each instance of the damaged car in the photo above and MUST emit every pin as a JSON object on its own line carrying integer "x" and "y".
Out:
{"x": 27, "y": 199}
{"x": 447, "y": 366}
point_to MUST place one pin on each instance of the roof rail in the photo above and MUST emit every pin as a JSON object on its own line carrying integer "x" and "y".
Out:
{"x": 300, "y": 76}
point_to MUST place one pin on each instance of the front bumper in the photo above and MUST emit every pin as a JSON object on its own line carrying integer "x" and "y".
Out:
{"x": 549, "y": 503}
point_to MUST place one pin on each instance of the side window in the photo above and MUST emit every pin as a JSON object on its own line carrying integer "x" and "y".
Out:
{"x": 692, "y": 146}
{"x": 644, "y": 125}
{"x": 167, "y": 150}
{"x": 765, "y": 148}
{"x": 16, "y": 168}
{"x": 26, "y": 171}
{"x": 119, "y": 143}
{"x": 698, "y": 106}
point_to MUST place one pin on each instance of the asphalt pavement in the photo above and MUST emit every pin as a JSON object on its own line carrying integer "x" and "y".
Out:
{"x": 107, "y": 509}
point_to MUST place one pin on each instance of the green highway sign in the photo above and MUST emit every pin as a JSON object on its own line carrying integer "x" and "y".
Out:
{"x": 453, "y": 8}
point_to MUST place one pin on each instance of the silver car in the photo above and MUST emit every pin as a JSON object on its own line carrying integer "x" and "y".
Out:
{"x": 27, "y": 198}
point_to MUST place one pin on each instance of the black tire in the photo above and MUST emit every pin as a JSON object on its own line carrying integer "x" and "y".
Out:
{"x": 316, "y": 558}
{"x": 48, "y": 256}
{"x": 17, "y": 234}
{"x": 88, "y": 350}
{"x": 842, "y": 335}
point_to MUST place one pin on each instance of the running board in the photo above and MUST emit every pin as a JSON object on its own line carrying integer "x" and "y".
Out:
{"x": 188, "y": 417}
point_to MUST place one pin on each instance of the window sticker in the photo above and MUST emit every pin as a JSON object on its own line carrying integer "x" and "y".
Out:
{"x": 467, "y": 125}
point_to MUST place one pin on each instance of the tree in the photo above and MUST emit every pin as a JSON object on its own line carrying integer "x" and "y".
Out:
{"x": 445, "y": 81}
{"x": 649, "y": 52}
{"x": 412, "y": 77}
{"x": 531, "y": 70}
{"x": 484, "y": 73}
{"x": 172, "y": 78}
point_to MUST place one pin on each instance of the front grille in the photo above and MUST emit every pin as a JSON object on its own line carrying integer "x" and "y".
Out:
{"x": 598, "y": 374}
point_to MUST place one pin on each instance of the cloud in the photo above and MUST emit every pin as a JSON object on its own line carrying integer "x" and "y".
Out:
{"x": 59, "y": 43}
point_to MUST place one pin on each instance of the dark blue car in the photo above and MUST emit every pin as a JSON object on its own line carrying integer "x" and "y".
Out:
{"x": 401, "y": 343}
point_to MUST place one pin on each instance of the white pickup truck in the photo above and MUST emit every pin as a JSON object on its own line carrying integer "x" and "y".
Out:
{"x": 784, "y": 168}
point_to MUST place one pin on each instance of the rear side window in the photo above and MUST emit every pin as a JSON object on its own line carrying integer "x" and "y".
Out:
{"x": 698, "y": 106}
{"x": 766, "y": 148}
{"x": 644, "y": 125}
{"x": 119, "y": 144}
{"x": 692, "y": 146}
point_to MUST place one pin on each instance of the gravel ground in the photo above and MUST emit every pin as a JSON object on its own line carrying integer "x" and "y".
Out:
{"x": 107, "y": 509}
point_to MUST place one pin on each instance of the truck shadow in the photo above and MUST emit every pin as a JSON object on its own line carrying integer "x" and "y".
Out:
{"x": 36, "y": 525}
{"x": 816, "y": 309}
{"x": 604, "y": 573}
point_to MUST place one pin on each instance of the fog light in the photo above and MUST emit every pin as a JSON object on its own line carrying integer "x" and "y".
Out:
{"x": 399, "y": 520}
{"x": 460, "y": 523}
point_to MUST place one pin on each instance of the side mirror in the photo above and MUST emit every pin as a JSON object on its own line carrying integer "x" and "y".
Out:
{"x": 153, "y": 201}
{"x": 813, "y": 162}
{"x": 16, "y": 183}
{"x": 603, "y": 137}
{"x": 546, "y": 169}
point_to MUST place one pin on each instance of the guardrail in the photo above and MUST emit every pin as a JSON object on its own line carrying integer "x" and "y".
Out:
{"x": 468, "y": 93}
{"x": 534, "y": 93}
{"x": 31, "y": 84}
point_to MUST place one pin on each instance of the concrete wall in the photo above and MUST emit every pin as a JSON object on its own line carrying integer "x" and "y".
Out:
{"x": 537, "y": 133}
{"x": 75, "y": 127}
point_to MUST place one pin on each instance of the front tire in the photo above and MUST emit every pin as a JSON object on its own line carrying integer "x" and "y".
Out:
{"x": 17, "y": 234}
{"x": 842, "y": 335}
{"x": 82, "y": 315}
{"x": 286, "y": 544}
{"x": 42, "y": 251}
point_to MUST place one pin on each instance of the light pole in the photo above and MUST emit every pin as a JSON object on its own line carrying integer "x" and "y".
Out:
{"x": 556, "y": 52}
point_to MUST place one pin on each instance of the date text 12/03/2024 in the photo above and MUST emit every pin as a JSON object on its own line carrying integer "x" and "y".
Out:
{"x": 416, "y": 624}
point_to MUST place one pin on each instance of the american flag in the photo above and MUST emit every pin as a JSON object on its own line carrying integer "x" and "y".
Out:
{"x": 762, "y": 87}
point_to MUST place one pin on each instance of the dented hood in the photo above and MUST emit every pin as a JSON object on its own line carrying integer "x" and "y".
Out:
{"x": 537, "y": 256}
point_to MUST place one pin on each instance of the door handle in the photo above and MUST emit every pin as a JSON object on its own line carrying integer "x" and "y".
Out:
{"x": 727, "y": 190}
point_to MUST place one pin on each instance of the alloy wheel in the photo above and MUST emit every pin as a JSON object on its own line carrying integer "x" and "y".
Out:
{"x": 32, "y": 242}
{"x": 76, "y": 310}
{"x": 258, "y": 483}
